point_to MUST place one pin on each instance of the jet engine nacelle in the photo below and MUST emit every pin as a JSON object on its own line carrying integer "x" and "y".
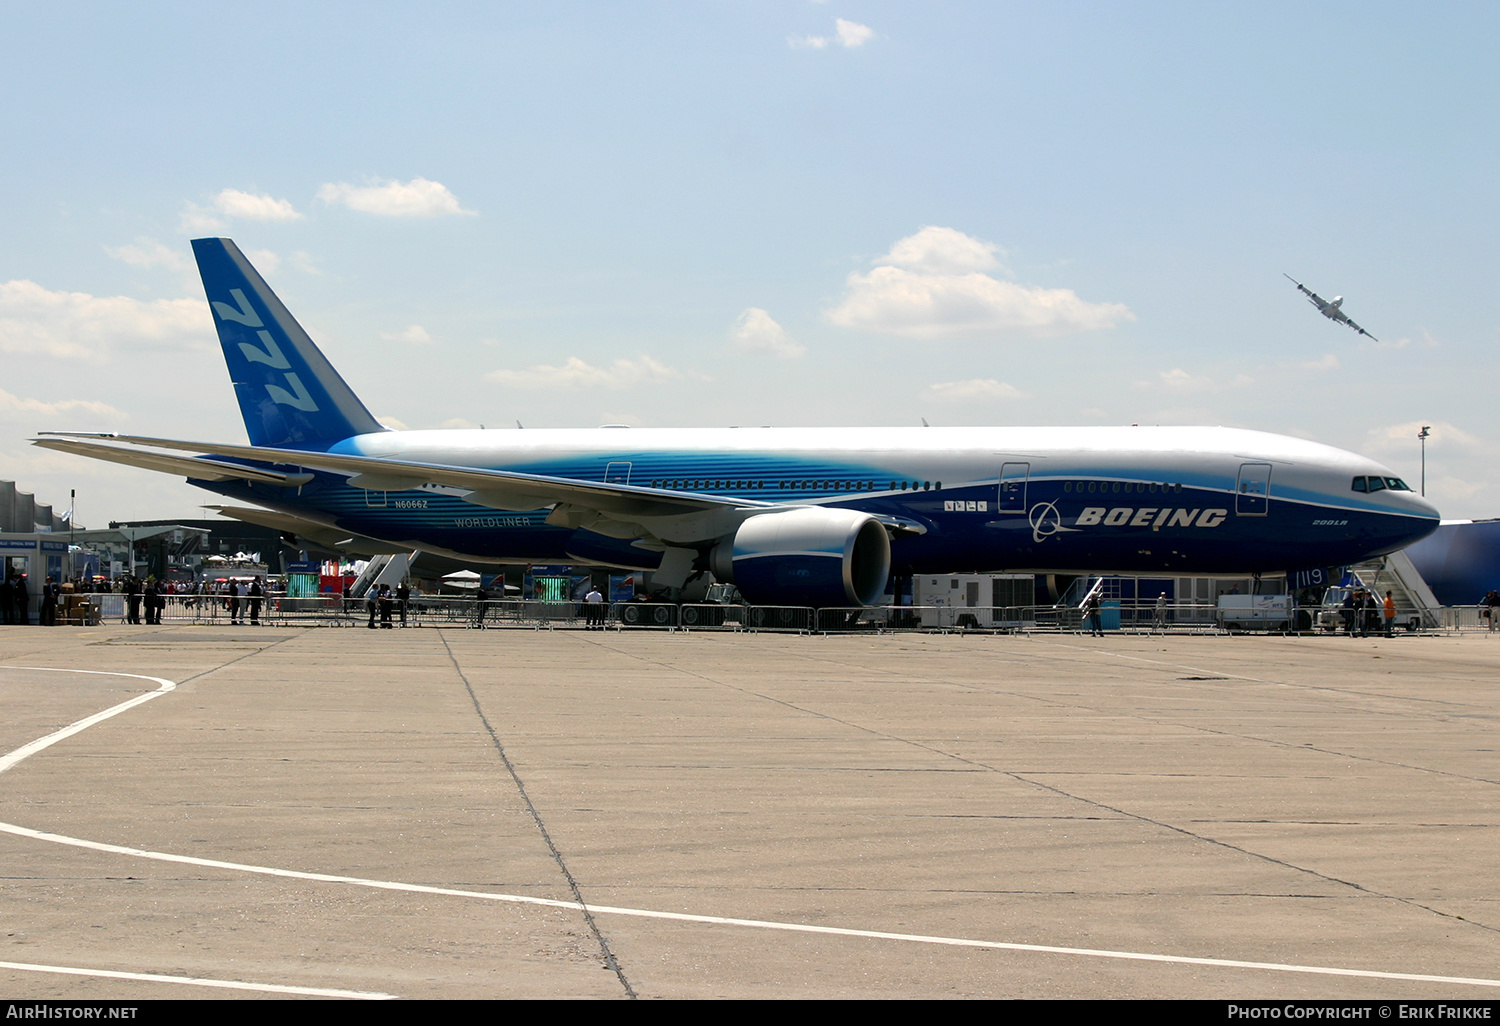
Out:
{"x": 809, "y": 556}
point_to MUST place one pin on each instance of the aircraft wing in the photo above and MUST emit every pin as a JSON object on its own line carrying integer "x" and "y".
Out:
{"x": 1312, "y": 297}
{"x": 319, "y": 534}
{"x": 497, "y": 489}
{"x": 1362, "y": 331}
{"x": 1316, "y": 299}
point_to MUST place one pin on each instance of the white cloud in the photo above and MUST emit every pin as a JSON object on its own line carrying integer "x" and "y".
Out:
{"x": 10, "y": 404}
{"x": 1453, "y": 488}
{"x": 1180, "y": 382}
{"x": 415, "y": 335}
{"x": 246, "y": 206}
{"x": 249, "y": 206}
{"x": 1403, "y": 437}
{"x": 197, "y": 221}
{"x": 37, "y": 320}
{"x": 575, "y": 373}
{"x": 756, "y": 332}
{"x": 931, "y": 285}
{"x": 416, "y": 198}
{"x": 264, "y": 260}
{"x": 935, "y": 250}
{"x": 392, "y": 423}
{"x": 847, "y": 34}
{"x": 149, "y": 253}
{"x": 975, "y": 388}
{"x": 852, "y": 33}
{"x": 1328, "y": 362}
{"x": 1426, "y": 342}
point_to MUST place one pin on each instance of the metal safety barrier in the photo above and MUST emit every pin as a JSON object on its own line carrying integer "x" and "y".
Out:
{"x": 468, "y": 612}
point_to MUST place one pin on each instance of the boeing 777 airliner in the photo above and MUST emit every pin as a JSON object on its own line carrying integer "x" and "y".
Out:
{"x": 795, "y": 516}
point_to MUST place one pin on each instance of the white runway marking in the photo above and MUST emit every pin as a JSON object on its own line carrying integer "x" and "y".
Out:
{"x": 6, "y": 762}
{"x": 198, "y": 981}
{"x": 760, "y": 924}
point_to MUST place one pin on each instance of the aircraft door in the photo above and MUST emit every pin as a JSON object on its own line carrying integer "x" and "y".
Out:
{"x": 617, "y": 472}
{"x": 1012, "y": 498}
{"x": 1253, "y": 496}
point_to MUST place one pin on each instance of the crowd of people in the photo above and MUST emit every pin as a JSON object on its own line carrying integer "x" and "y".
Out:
{"x": 385, "y": 601}
{"x": 145, "y": 598}
{"x": 1365, "y": 615}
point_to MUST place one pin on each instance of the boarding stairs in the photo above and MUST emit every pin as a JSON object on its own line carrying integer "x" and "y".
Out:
{"x": 383, "y": 569}
{"x": 1415, "y": 602}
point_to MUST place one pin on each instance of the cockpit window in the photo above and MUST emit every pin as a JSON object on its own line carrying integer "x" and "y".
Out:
{"x": 1375, "y": 484}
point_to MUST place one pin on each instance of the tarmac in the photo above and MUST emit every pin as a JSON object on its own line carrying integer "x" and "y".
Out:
{"x": 447, "y": 813}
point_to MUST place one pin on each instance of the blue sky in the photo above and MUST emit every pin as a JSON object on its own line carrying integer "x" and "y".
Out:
{"x": 760, "y": 213}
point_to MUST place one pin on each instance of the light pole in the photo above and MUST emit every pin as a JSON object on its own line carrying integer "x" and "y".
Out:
{"x": 1422, "y": 437}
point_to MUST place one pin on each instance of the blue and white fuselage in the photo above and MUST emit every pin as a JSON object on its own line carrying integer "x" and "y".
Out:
{"x": 1137, "y": 499}
{"x": 792, "y": 515}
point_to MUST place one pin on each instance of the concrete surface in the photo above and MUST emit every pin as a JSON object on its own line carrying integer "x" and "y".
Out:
{"x": 1302, "y": 802}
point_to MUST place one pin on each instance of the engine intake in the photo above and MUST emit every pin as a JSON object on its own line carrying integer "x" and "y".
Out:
{"x": 807, "y": 557}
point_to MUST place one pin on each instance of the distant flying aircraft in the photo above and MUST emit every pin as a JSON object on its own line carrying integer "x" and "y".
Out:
{"x": 1328, "y": 307}
{"x": 791, "y": 516}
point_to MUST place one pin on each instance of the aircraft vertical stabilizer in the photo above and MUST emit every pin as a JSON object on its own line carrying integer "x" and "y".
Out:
{"x": 290, "y": 395}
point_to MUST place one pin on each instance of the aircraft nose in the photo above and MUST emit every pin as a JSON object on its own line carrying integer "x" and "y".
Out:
{"x": 1419, "y": 519}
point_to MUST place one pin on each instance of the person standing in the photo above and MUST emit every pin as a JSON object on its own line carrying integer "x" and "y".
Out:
{"x": 1095, "y": 614}
{"x": 372, "y": 599}
{"x": 1160, "y": 620}
{"x": 482, "y": 598}
{"x": 47, "y": 611}
{"x": 233, "y": 602}
{"x": 150, "y": 595}
{"x": 22, "y": 601}
{"x": 403, "y": 598}
{"x": 7, "y": 600}
{"x": 1390, "y": 613}
{"x": 386, "y": 601}
{"x": 593, "y": 604}
{"x": 132, "y": 600}
{"x": 256, "y": 594}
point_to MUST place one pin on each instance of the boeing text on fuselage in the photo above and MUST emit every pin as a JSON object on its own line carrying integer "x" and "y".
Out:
{"x": 791, "y": 516}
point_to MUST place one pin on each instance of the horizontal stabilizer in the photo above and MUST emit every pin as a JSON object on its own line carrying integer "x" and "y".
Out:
{"x": 194, "y": 467}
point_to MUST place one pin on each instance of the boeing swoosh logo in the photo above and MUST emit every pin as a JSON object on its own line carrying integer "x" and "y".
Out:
{"x": 1046, "y": 521}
